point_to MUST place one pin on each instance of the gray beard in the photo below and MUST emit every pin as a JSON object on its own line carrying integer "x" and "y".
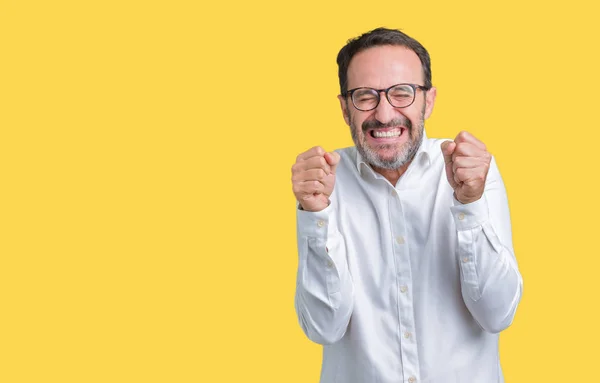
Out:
{"x": 405, "y": 155}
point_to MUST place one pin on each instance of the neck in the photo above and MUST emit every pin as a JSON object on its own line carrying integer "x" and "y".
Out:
{"x": 392, "y": 175}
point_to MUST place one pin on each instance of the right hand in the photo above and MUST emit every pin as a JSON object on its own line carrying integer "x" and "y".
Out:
{"x": 313, "y": 178}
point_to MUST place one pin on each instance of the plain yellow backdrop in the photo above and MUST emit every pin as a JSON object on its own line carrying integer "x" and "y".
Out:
{"x": 147, "y": 220}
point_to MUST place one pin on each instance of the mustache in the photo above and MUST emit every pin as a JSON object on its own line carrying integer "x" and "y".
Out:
{"x": 374, "y": 124}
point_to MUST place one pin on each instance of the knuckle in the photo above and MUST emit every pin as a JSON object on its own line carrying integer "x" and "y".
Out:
{"x": 319, "y": 150}
{"x": 335, "y": 157}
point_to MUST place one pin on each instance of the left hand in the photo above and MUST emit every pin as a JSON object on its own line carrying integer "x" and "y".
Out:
{"x": 467, "y": 164}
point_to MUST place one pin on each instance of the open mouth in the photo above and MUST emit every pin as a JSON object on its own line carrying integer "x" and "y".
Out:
{"x": 386, "y": 133}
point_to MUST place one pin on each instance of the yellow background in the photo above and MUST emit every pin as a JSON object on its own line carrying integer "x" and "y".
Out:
{"x": 147, "y": 220}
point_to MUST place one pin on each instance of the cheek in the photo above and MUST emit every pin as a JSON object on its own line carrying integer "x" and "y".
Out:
{"x": 356, "y": 120}
{"x": 415, "y": 116}
{"x": 356, "y": 125}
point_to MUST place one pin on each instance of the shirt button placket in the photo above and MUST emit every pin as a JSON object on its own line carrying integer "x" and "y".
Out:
{"x": 408, "y": 351}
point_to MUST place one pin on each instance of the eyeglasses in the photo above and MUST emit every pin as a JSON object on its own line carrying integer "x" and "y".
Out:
{"x": 399, "y": 96}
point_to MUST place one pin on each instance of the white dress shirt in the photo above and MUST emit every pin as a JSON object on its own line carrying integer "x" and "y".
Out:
{"x": 403, "y": 283}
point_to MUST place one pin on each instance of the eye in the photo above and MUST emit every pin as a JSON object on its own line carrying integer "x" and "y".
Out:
{"x": 365, "y": 95}
{"x": 402, "y": 92}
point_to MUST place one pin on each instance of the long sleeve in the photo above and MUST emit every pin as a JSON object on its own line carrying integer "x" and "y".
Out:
{"x": 490, "y": 280}
{"x": 324, "y": 289}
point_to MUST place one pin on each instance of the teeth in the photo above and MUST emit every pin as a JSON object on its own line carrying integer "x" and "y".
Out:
{"x": 391, "y": 133}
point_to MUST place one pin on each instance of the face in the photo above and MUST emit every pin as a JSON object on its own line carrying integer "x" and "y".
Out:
{"x": 387, "y": 137}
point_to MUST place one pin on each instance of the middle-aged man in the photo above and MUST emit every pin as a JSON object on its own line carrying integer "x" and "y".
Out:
{"x": 406, "y": 267}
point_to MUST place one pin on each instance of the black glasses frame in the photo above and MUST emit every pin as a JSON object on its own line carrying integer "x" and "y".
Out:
{"x": 387, "y": 95}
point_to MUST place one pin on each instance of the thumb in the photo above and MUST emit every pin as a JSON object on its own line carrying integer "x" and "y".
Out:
{"x": 333, "y": 159}
{"x": 447, "y": 150}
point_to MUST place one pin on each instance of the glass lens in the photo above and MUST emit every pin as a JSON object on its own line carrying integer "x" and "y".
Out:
{"x": 365, "y": 98}
{"x": 401, "y": 95}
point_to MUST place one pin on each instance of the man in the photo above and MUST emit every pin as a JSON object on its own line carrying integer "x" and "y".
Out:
{"x": 406, "y": 266}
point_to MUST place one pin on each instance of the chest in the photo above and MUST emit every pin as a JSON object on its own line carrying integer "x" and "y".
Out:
{"x": 399, "y": 234}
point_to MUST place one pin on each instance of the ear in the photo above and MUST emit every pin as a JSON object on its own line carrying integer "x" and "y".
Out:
{"x": 345, "y": 111}
{"x": 430, "y": 101}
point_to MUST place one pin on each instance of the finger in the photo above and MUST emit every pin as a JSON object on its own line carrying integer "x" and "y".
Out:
{"x": 448, "y": 148}
{"x": 306, "y": 188}
{"x": 469, "y": 176}
{"x": 456, "y": 179}
{"x": 466, "y": 149}
{"x": 315, "y": 151}
{"x": 309, "y": 175}
{"x": 333, "y": 159}
{"x": 467, "y": 162}
{"x": 465, "y": 136}
{"x": 316, "y": 162}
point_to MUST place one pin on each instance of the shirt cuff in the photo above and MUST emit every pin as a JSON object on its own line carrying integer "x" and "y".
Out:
{"x": 470, "y": 215}
{"x": 313, "y": 224}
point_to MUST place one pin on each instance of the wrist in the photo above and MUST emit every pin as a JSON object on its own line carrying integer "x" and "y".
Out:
{"x": 300, "y": 207}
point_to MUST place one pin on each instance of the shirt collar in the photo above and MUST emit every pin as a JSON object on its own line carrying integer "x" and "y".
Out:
{"x": 423, "y": 156}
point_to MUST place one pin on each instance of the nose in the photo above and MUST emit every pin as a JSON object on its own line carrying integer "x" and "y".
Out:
{"x": 384, "y": 112}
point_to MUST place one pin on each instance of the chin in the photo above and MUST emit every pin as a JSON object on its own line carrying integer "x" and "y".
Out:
{"x": 389, "y": 157}
{"x": 391, "y": 165}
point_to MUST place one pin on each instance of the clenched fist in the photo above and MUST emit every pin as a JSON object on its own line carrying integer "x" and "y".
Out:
{"x": 313, "y": 177}
{"x": 467, "y": 164}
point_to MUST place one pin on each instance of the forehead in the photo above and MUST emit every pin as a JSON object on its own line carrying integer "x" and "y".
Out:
{"x": 383, "y": 66}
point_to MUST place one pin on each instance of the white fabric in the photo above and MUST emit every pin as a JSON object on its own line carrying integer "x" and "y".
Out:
{"x": 405, "y": 283}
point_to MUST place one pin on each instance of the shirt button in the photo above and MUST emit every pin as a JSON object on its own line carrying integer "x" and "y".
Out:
{"x": 407, "y": 334}
{"x": 403, "y": 289}
{"x": 400, "y": 239}
{"x": 465, "y": 259}
{"x": 412, "y": 379}
{"x": 394, "y": 193}
{"x": 461, "y": 216}
{"x": 329, "y": 264}
{"x": 320, "y": 223}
